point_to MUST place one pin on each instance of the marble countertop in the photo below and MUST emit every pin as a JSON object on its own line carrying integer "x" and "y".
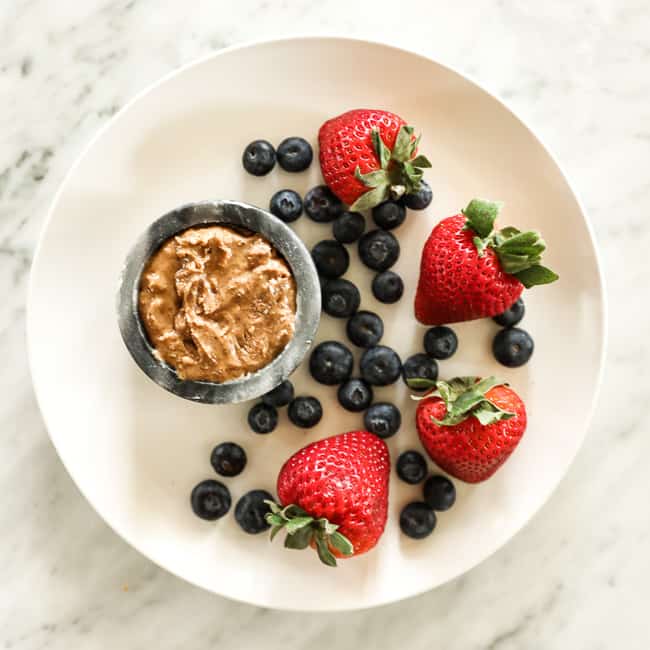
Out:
{"x": 577, "y": 576}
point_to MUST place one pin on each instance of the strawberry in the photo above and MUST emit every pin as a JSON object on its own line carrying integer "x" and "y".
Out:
{"x": 368, "y": 156}
{"x": 468, "y": 270}
{"x": 333, "y": 495}
{"x": 469, "y": 426}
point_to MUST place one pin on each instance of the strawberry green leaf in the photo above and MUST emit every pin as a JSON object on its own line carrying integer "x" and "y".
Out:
{"x": 371, "y": 198}
{"x": 324, "y": 553}
{"x": 382, "y": 151}
{"x": 522, "y": 242}
{"x": 480, "y": 216}
{"x": 413, "y": 174}
{"x": 301, "y": 529}
{"x": 465, "y": 396}
{"x": 420, "y": 161}
{"x": 536, "y": 274}
{"x": 327, "y": 527}
{"x": 515, "y": 263}
{"x": 341, "y": 543}
{"x": 488, "y": 413}
{"x": 459, "y": 385}
{"x": 400, "y": 170}
{"x": 297, "y": 523}
{"x": 504, "y": 234}
{"x": 372, "y": 179}
{"x": 275, "y": 519}
{"x": 519, "y": 253}
{"x": 402, "y": 149}
{"x": 300, "y": 539}
{"x": 420, "y": 383}
{"x": 413, "y": 147}
{"x": 471, "y": 397}
{"x": 292, "y": 510}
{"x": 481, "y": 245}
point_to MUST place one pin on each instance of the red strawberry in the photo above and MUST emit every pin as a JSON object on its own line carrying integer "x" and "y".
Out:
{"x": 334, "y": 496}
{"x": 368, "y": 156}
{"x": 469, "y": 270}
{"x": 469, "y": 426}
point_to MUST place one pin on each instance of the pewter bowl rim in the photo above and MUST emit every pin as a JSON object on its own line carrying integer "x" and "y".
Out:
{"x": 238, "y": 214}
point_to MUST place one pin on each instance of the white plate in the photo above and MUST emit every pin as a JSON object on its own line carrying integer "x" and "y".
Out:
{"x": 136, "y": 451}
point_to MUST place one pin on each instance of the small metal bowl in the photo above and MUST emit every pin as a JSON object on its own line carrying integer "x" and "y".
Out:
{"x": 283, "y": 239}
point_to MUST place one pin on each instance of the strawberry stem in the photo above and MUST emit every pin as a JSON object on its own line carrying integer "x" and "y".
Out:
{"x": 303, "y": 529}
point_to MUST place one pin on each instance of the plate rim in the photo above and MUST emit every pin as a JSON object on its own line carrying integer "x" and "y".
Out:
{"x": 313, "y": 37}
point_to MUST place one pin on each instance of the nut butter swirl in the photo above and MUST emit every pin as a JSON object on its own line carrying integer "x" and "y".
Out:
{"x": 217, "y": 304}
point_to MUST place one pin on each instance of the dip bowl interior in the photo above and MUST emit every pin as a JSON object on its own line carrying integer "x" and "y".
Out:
{"x": 238, "y": 215}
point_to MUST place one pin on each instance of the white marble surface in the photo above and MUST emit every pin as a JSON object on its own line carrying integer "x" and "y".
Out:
{"x": 577, "y": 577}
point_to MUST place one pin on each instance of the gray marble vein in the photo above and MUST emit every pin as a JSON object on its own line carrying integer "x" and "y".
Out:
{"x": 577, "y": 576}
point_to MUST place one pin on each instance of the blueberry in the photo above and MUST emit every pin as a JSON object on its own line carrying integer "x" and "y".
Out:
{"x": 378, "y": 250}
{"x": 382, "y": 419}
{"x": 365, "y": 329}
{"x": 259, "y": 158}
{"x": 341, "y": 298}
{"x": 322, "y": 205}
{"x": 228, "y": 459}
{"x": 440, "y": 342}
{"x": 305, "y": 412}
{"x": 355, "y": 395}
{"x": 420, "y": 199}
{"x": 380, "y": 366}
{"x": 295, "y": 154}
{"x": 389, "y": 214}
{"x": 348, "y": 227}
{"x": 330, "y": 363}
{"x": 417, "y": 520}
{"x": 210, "y": 500}
{"x": 387, "y": 287}
{"x": 281, "y": 395}
{"x": 513, "y": 347}
{"x": 286, "y": 205}
{"x": 411, "y": 467}
{"x": 439, "y": 492}
{"x": 262, "y": 418}
{"x": 323, "y": 283}
{"x": 419, "y": 366}
{"x": 331, "y": 258}
{"x": 512, "y": 315}
{"x": 251, "y": 511}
